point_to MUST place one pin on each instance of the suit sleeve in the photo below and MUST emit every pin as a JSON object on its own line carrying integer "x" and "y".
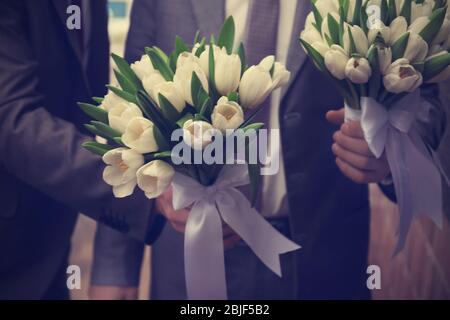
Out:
{"x": 117, "y": 258}
{"x": 431, "y": 125}
{"x": 45, "y": 151}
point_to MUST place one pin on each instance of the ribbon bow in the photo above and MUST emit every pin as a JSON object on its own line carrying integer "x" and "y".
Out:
{"x": 416, "y": 176}
{"x": 203, "y": 240}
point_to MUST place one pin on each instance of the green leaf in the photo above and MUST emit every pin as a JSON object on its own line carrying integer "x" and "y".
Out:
{"x": 212, "y": 82}
{"x": 161, "y": 54}
{"x": 161, "y": 140}
{"x": 432, "y": 67}
{"x": 180, "y": 45}
{"x": 392, "y": 11}
{"x": 352, "y": 48}
{"x": 315, "y": 56}
{"x": 419, "y": 66}
{"x": 164, "y": 154}
{"x": 197, "y": 36}
{"x": 399, "y": 47}
{"x": 119, "y": 141}
{"x": 105, "y": 130}
{"x": 384, "y": 11}
{"x": 226, "y": 35}
{"x": 333, "y": 27}
{"x": 183, "y": 119}
{"x": 97, "y": 148}
{"x": 126, "y": 70}
{"x": 125, "y": 84}
{"x": 160, "y": 64}
{"x": 317, "y": 17}
{"x": 168, "y": 110}
{"x": 357, "y": 13}
{"x": 173, "y": 61}
{"x": 201, "y": 48}
{"x": 123, "y": 94}
{"x": 241, "y": 54}
{"x": 99, "y": 100}
{"x": 195, "y": 87}
{"x": 375, "y": 80}
{"x": 94, "y": 112}
{"x": 233, "y": 96}
{"x": 254, "y": 126}
{"x": 432, "y": 28}
{"x": 364, "y": 17}
{"x": 206, "y": 105}
{"x": 406, "y": 10}
{"x": 153, "y": 112}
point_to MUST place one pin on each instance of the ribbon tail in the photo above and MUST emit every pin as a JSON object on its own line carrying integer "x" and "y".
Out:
{"x": 428, "y": 197}
{"x": 266, "y": 242}
{"x": 400, "y": 176}
{"x": 204, "y": 255}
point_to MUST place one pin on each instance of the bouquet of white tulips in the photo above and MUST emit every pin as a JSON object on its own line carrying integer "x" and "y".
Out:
{"x": 197, "y": 94}
{"x": 379, "y": 53}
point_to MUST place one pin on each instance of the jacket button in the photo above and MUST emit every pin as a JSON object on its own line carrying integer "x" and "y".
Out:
{"x": 292, "y": 116}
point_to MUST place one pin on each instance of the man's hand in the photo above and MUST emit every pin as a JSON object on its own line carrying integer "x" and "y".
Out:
{"x": 178, "y": 218}
{"x": 353, "y": 156}
{"x": 112, "y": 293}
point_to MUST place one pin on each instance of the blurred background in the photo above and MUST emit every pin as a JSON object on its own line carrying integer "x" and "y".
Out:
{"x": 421, "y": 271}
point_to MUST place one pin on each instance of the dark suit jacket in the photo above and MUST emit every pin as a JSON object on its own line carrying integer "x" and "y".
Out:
{"x": 45, "y": 175}
{"x": 329, "y": 213}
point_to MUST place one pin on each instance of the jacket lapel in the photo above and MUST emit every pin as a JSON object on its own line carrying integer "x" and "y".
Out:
{"x": 61, "y": 7}
{"x": 209, "y": 15}
{"x": 297, "y": 57}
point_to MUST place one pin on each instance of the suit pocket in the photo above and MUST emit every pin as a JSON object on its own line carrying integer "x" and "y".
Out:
{"x": 8, "y": 195}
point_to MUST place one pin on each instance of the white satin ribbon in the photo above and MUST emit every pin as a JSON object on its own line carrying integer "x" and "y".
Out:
{"x": 203, "y": 240}
{"x": 416, "y": 176}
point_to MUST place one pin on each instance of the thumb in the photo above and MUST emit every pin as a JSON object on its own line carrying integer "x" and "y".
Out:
{"x": 336, "y": 117}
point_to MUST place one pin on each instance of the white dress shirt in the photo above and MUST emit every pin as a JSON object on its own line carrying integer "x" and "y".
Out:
{"x": 274, "y": 197}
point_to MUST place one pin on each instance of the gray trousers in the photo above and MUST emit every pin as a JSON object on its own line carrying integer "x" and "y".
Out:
{"x": 247, "y": 278}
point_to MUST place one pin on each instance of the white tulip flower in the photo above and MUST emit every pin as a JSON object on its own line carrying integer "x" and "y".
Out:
{"x": 416, "y": 49}
{"x": 227, "y": 72}
{"x": 358, "y": 70}
{"x": 122, "y": 114}
{"x": 397, "y": 28}
{"x": 139, "y": 136}
{"x": 154, "y": 178}
{"x": 423, "y": 9}
{"x": 198, "y": 134}
{"x": 255, "y": 87}
{"x": 381, "y": 28}
{"x": 170, "y": 91}
{"x": 384, "y": 58}
{"x": 443, "y": 32}
{"x": 183, "y": 79}
{"x": 120, "y": 172}
{"x": 227, "y": 115}
{"x": 359, "y": 37}
{"x": 280, "y": 76}
{"x": 336, "y": 59}
{"x": 402, "y": 77}
{"x": 143, "y": 67}
{"x": 204, "y": 58}
{"x": 110, "y": 101}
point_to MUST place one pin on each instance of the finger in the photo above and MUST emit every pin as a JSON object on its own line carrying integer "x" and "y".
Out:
{"x": 179, "y": 216}
{"x": 358, "y": 176}
{"x": 179, "y": 227}
{"x": 356, "y": 160}
{"x": 227, "y": 231}
{"x": 231, "y": 242}
{"x": 336, "y": 117}
{"x": 353, "y": 129}
{"x": 358, "y": 146}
